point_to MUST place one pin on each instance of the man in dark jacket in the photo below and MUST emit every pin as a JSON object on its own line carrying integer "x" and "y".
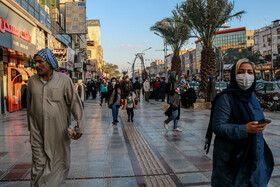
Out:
{"x": 127, "y": 87}
{"x": 137, "y": 88}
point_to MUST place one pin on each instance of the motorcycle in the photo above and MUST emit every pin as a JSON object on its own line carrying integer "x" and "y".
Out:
{"x": 269, "y": 101}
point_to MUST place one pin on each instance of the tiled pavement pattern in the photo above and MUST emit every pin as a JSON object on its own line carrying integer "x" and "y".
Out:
{"x": 108, "y": 155}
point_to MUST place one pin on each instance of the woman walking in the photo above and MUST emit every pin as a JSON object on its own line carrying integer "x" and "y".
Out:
{"x": 104, "y": 90}
{"x": 173, "y": 98}
{"x": 114, "y": 99}
{"x": 241, "y": 156}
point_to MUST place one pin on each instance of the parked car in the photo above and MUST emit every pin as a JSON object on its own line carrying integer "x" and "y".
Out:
{"x": 220, "y": 86}
{"x": 268, "y": 94}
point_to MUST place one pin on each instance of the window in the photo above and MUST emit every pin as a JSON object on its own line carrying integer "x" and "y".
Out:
{"x": 269, "y": 87}
{"x": 278, "y": 33}
{"x": 264, "y": 38}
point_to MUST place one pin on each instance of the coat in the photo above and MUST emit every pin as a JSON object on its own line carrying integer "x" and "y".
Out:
{"x": 49, "y": 108}
{"x": 146, "y": 86}
{"x": 229, "y": 134}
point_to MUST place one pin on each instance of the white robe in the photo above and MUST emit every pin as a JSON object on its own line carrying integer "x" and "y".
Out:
{"x": 49, "y": 108}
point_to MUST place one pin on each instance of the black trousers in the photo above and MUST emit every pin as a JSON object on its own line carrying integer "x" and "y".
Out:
{"x": 130, "y": 113}
{"x": 103, "y": 96}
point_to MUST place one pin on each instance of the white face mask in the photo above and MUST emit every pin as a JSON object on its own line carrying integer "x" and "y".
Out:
{"x": 245, "y": 80}
{"x": 113, "y": 82}
{"x": 129, "y": 98}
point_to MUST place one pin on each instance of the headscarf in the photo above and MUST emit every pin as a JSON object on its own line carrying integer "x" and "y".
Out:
{"x": 49, "y": 57}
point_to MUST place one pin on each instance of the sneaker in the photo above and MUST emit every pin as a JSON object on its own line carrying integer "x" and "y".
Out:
{"x": 177, "y": 130}
{"x": 132, "y": 120}
{"x": 114, "y": 122}
{"x": 128, "y": 120}
{"x": 165, "y": 125}
{"x": 100, "y": 104}
{"x": 117, "y": 121}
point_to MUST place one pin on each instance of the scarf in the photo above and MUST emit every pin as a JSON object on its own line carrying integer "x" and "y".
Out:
{"x": 49, "y": 57}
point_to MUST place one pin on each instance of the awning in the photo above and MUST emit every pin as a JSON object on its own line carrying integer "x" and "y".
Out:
{"x": 22, "y": 73}
{"x": 29, "y": 72}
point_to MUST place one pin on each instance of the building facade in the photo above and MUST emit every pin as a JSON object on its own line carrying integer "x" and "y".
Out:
{"x": 26, "y": 27}
{"x": 267, "y": 42}
{"x": 230, "y": 45}
{"x": 95, "y": 49}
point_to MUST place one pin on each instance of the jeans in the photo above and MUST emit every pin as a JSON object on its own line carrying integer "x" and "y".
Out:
{"x": 173, "y": 117}
{"x": 115, "y": 112}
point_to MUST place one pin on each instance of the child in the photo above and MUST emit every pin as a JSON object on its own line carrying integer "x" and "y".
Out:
{"x": 130, "y": 106}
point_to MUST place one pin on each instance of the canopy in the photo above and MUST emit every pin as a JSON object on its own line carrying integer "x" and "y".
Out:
{"x": 22, "y": 73}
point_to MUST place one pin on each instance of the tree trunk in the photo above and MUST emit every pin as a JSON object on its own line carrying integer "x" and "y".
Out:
{"x": 208, "y": 67}
{"x": 176, "y": 64}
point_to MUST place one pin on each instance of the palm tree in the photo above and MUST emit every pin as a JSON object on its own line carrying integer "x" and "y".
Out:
{"x": 175, "y": 33}
{"x": 205, "y": 17}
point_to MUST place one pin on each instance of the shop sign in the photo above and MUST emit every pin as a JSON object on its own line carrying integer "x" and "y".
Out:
{"x": 78, "y": 65}
{"x": 71, "y": 57}
{"x": 5, "y": 27}
{"x": 61, "y": 55}
{"x": 266, "y": 67}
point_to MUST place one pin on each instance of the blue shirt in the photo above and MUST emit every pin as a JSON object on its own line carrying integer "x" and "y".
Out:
{"x": 104, "y": 88}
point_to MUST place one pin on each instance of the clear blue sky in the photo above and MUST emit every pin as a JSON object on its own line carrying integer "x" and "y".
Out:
{"x": 125, "y": 25}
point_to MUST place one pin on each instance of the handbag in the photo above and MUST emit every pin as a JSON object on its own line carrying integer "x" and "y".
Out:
{"x": 165, "y": 107}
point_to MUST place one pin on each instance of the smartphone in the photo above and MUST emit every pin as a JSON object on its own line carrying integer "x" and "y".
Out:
{"x": 264, "y": 120}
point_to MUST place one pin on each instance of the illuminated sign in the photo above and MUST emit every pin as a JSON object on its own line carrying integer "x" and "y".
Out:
{"x": 5, "y": 27}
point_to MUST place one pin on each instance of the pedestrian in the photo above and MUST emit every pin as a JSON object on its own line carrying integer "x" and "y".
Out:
{"x": 80, "y": 88}
{"x": 51, "y": 98}
{"x": 156, "y": 88}
{"x": 114, "y": 99}
{"x": 23, "y": 94}
{"x": 127, "y": 87}
{"x": 146, "y": 88}
{"x": 130, "y": 105}
{"x": 211, "y": 89}
{"x": 93, "y": 88}
{"x": 173, "y": 99}
{"x": 241, "y": 156}
{"x": 88, "y": 89}
{"x": 137, "y": 88}
{"x": 121, "y": 81}
{"x": 162, "y": 89}
{"x": 104, "y": 90}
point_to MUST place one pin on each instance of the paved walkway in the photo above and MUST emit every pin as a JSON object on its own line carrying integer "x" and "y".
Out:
{"x": 142, "y": 153}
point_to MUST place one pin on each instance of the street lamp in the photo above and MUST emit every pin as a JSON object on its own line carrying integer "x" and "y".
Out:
{"x": 222, "y": 55}
{"x": 165, "y": 53}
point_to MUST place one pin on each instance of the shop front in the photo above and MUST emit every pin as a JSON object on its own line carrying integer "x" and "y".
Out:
{"x": 17, "y": 46}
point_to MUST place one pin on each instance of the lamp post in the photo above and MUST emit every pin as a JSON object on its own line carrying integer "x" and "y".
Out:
{"x": 165, "y": 54}
{"x": 222, "y": 55}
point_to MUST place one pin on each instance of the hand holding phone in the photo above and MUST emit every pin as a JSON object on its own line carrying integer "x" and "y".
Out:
{"x": 264, "y": 120}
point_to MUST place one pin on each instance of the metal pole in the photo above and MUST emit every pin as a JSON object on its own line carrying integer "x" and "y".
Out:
{"x": 133, "y": 67}
{"x": 165, "y": 61}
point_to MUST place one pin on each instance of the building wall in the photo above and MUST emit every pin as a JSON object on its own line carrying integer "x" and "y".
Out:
{"x": 94, "y": 44}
